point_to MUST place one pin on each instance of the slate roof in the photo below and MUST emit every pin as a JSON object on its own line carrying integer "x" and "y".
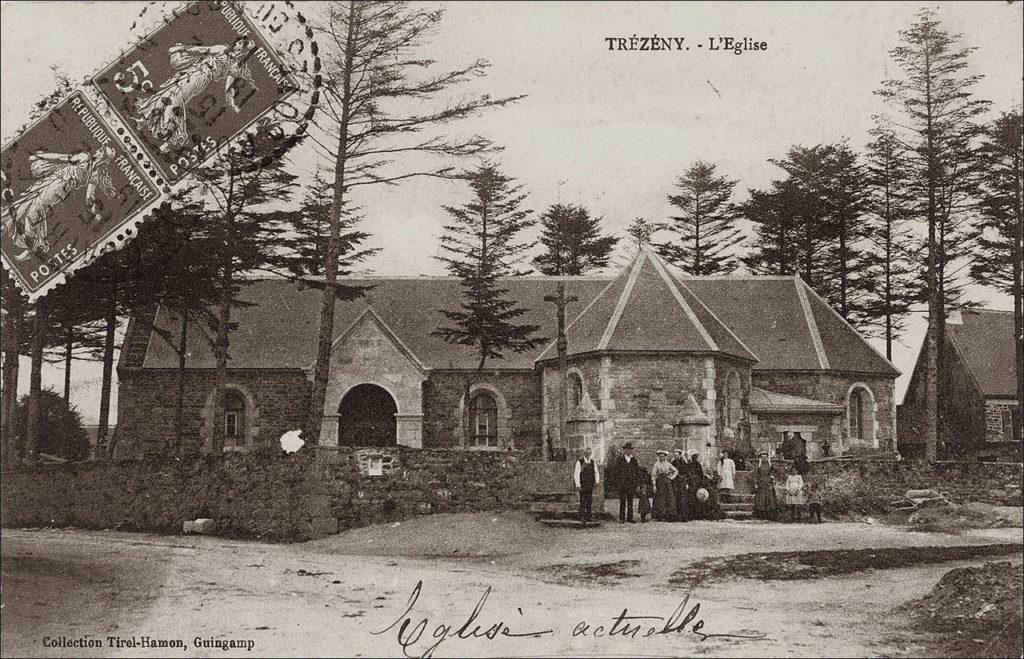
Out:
{"x": 776, "y": 321}
{"x": 762, "y": 400}
{"x": 645, "y": 309}
{"x": 985, "y": 340}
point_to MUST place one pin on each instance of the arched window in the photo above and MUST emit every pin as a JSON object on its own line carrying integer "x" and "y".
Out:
{"x": 483, "y": 415}
{"x": 733, "y": 400}
{"x": 1007, "y": 418}
{"x": 234, "y": 418}
{"x": 575, "y": 390}
{"x": 857, "y": 415}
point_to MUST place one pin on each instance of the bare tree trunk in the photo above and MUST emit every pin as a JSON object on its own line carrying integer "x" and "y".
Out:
{"x": 1018, "y": 298}
{"x": 562, "y": 345}
{"x": 33, "y": 422}
{"x": 221, "y": 372}
{"x": 179, "y": 409}
{"x": 102, "y": 443}
{"x": 69, "y": 346}
{"x": 9, "y": 398}
{"x": 318, "y": 395}
{"x": 931, "y": 395}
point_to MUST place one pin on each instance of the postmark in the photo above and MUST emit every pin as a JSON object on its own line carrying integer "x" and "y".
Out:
{"x": 195, "y": 83}
{"x": 70, "y": 185}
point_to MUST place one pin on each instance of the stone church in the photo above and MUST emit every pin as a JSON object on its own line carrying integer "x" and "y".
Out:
{"x": 655, "y": 357}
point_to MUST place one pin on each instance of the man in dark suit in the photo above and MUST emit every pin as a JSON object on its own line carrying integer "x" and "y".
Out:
{"x": 629, "y": 473}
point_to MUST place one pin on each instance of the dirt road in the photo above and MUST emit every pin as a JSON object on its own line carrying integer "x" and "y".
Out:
{"x": 198, "y": 595}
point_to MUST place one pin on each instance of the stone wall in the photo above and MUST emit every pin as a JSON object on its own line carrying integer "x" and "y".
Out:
{"x": 356, "y": 487}
{"x": 249, "y": 496}
{"x": 147, "y": 400}
{"x": 834, "y": 388}
{"x": 307, "y": 494}
{"x": 518, "y": 397}
{"x": 867, "y": 486}
{"x": 997, "y": 413}
{"x": 767, "y": 429}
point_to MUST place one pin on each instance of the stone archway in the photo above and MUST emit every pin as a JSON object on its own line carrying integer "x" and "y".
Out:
{"x": 366, "y": 417}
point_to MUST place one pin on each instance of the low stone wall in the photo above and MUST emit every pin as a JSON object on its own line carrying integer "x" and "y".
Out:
{"x": 308, "y": 494}
{"x": 867, "y": 485}
{"x": 249, "y": 496}
{"x": 355, "y": 487}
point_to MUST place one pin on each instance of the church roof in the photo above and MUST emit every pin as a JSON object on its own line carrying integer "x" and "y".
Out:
{"x": 985, "y": 339}
{"x": 777, "y": 321}
{"x": 645, "y": 309}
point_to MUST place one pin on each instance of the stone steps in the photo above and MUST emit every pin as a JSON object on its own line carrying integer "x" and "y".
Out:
{"x": 748, "y": 506}
{"x": 568, "y": 523}
{"x": 739, "y": 514}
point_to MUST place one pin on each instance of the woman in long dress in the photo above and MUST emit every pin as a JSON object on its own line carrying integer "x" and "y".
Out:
{"x": 663, "y": 473}
{"x": 680, "y": 462}
{"x": 195, "y": 68}
{"x": 694, "y": 482}
{"x": 765, "y": 503}
{"x": 727, "y": 473}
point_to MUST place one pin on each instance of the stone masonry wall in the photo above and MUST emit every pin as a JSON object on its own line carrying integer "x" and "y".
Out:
{"x": 996, "y": 413}
{"x": 248, "y": 495}
{"x": 147, "y": 400}
{"x": 518, "y": 391}
{"x": 833, "y": 388}
{"x": 867, "y": 486}
{"x": 304, "y": 495}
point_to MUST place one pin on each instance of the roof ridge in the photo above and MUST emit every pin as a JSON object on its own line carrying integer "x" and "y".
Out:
{"x": 620, "y": 306}
{"x": 847, "y": 323}
{"x": 812, "y": 324}
{"x": 660, "y": 268}
{"x": 719, "y": 320}
{"x": 963, "y": 358}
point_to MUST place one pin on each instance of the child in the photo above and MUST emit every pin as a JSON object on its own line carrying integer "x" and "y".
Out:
{"x": 814, "y": 499}
{"x": 644, "y": 492}
{"x": 794, "y": 493}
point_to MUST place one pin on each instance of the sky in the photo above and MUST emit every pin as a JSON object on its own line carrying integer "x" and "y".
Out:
{"x": 607, "y": 129}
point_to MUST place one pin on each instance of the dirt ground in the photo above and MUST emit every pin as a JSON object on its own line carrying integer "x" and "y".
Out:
{"x": 566, "y": 586}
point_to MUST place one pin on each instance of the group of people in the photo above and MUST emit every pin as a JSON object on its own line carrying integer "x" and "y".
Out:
{"x": 796, "y": 493}
{"x": 676, "y": 490}
{"x": 685, "y": 488}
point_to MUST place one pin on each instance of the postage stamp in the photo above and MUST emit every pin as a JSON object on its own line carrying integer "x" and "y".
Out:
{"x": 69, "y": 186}
{"x": 196, "y": 82}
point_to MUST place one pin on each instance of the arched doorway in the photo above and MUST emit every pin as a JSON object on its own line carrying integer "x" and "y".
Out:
{"x": 366, "y": 417}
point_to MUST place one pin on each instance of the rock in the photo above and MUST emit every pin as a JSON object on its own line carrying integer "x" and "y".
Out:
{"x": 202, "y": 526}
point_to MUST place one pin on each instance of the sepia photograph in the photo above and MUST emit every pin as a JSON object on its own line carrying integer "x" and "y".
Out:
{"x": 401, "y": 328}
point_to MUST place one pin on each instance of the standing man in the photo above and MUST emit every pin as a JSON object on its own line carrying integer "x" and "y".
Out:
{"x": 586, "y": 477}
{"x": 629, "y": 474}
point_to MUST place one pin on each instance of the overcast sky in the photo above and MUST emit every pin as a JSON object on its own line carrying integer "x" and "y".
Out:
{"x": 608, "y": 129}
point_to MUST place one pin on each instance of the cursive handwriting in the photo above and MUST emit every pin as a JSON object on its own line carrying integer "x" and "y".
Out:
{"x": 409, "y": 633}
{"x": 673, "y": 624}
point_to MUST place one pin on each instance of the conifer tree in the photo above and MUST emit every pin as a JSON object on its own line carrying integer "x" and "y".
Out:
{"x": 937, "y": 124}
{"x": 481, "y": 245}
{"x": 706, "y": 235}
{"x": 999, "y": 236}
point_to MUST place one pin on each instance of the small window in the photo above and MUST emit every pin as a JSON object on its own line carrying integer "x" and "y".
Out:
{"x": 856, "y": 413}
{"x": 575, "y": 390}
{"x": 1007, "y": 417}
{"x": 234, "y": 418}
{"x": 733, "y": 401}
{"x": 376, "y": 467}
{"x": 483, "y": 414}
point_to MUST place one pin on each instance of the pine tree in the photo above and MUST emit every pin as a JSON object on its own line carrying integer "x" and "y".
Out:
{"x": 307, "y": 233}
{"x": 999, "y": 258}
{"x": 705, "y": 228}
{"x": 891, "y": 263}
{"x": 774, "y": 250}
{"x": 377, "y": 127}
{"x": 939, "y": 114}
{"x": 573, "y": 246}
{"x": 481, "y": 245}
{"x": 241, "y": 186}
{"x": 641, "y": 231}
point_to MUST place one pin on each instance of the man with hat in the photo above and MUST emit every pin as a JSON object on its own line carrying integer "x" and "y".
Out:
{"x": 629, "y": 474}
